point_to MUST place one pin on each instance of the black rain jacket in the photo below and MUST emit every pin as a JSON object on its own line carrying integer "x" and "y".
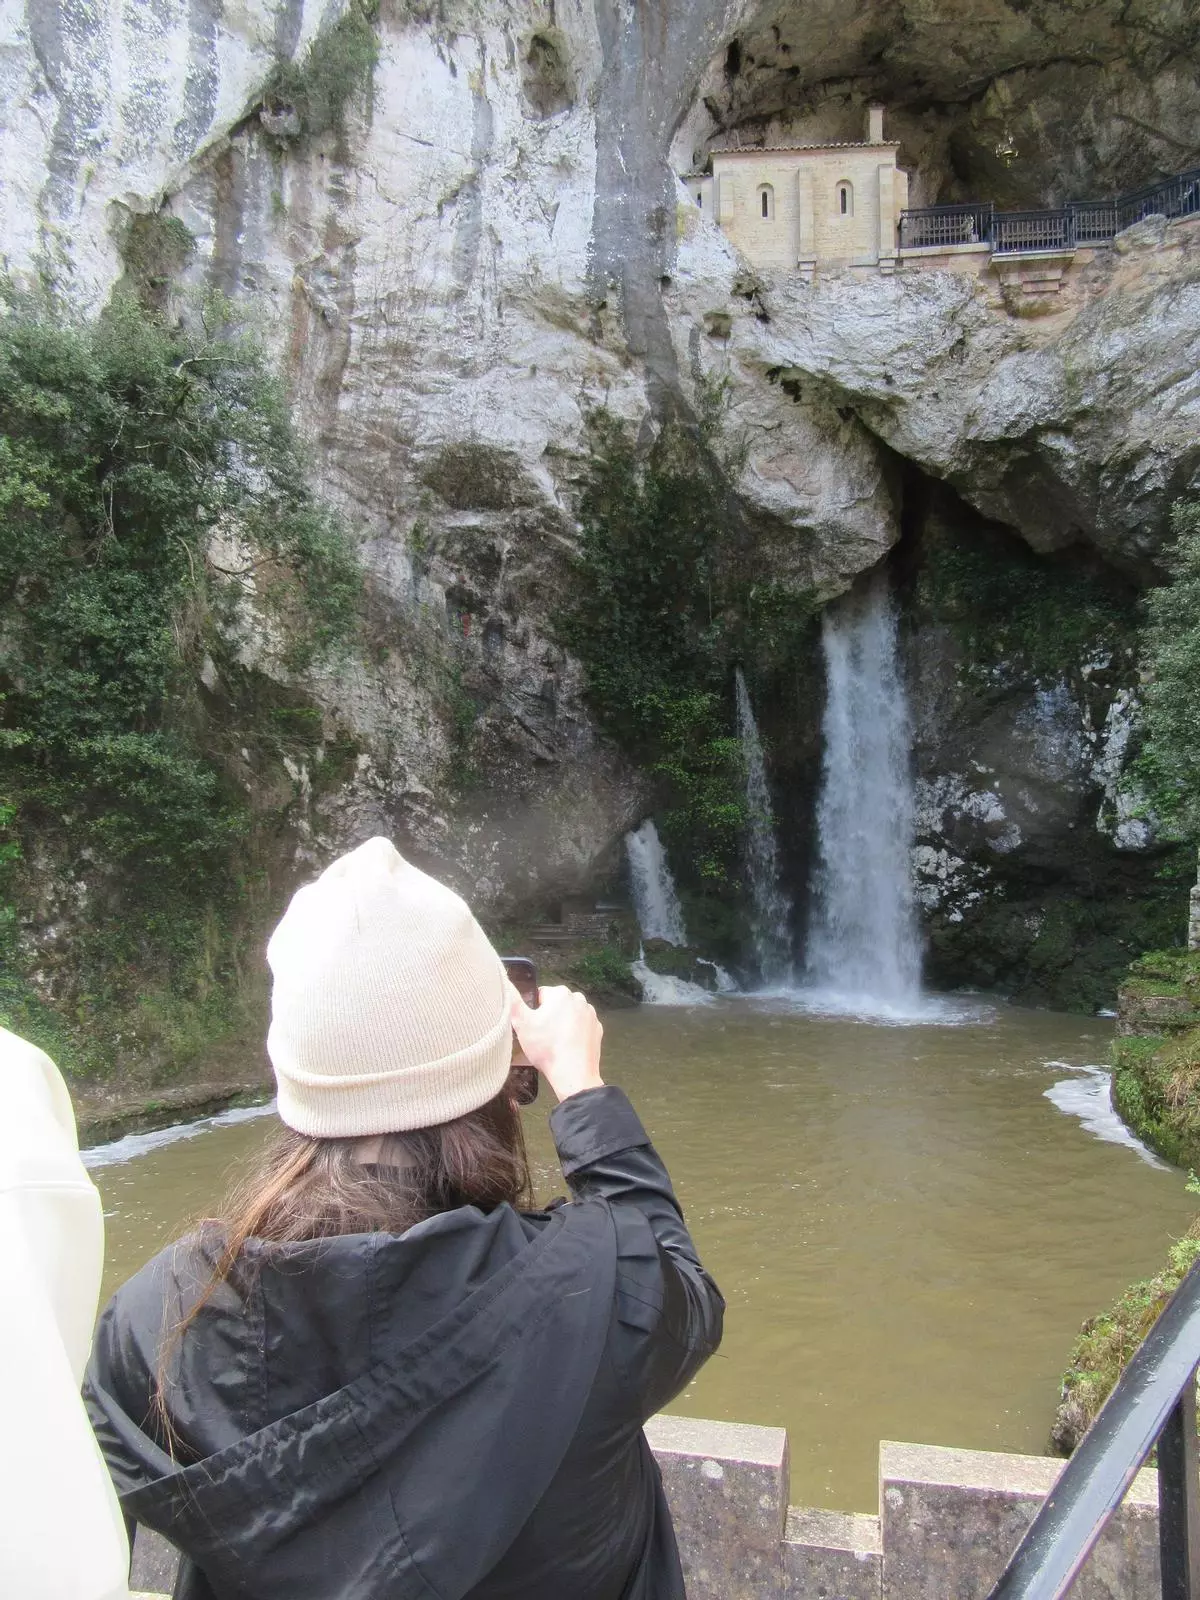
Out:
{"x": 453, "y": 1413}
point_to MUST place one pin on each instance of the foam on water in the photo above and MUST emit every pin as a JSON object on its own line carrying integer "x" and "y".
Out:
{"x": 926, "y": 1010}
{"x": 660, "y": 989}
{"x": 1088, "y": 1096}
{"x": 132, "y": 1145}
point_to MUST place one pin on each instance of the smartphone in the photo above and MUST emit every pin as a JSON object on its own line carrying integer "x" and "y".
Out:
{"x": 526, "y": 1080}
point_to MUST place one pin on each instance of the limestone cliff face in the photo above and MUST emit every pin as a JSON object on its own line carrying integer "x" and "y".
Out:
{"x": 499, "y": 243}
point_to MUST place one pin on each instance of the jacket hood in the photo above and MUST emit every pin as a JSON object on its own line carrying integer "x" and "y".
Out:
{"x": 431, "y": 1387}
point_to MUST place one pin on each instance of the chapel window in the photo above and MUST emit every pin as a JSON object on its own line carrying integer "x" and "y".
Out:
{"x": 766, "y": 202}
{"x": 845, "y": 199}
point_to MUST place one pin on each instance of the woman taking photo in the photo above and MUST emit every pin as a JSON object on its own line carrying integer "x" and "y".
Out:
{"x": 379, "y": 1375}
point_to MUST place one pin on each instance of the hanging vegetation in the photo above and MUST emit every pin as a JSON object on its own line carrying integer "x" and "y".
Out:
{"x": 126, "y": 448}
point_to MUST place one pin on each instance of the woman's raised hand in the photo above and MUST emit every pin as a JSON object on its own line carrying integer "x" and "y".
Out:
{"x": 561, "y": 1038}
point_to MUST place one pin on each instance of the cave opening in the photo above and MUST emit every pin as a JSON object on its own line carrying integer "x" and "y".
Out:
{"x": 1098, "y": 104}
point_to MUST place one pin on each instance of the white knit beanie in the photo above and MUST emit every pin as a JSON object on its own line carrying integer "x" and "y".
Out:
{"x": 389, "y": 1008}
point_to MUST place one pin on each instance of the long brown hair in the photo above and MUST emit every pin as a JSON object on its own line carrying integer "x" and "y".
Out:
{"x": 303, "y": 1189}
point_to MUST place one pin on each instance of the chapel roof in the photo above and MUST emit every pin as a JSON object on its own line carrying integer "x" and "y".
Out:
{"x": 834, "y": 144}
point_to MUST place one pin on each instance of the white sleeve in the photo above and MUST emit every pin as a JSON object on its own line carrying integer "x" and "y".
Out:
{"x": 61, "y": 1532}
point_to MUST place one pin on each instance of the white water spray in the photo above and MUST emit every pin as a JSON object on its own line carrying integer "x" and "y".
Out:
{"x": 863, "y": 950}
{"x": 769, "y": 905}
{"x": 659, "y": 914}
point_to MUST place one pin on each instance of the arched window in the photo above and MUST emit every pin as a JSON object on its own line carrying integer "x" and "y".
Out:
{"x": 700, "y": 198}
{"x": 766, "y": 202}
{"x": 845, "y": 198}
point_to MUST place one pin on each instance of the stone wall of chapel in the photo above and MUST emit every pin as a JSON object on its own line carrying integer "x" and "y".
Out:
{"x": 765, "y": 241}
{"x": 776, "y": 241}
{"x": 855, "y": 236}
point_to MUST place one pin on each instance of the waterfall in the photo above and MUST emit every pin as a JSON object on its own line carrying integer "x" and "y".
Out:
{"x": 770, "y": 908}
{"x": 863, "y": 946}
{"x": 659, "y": 914}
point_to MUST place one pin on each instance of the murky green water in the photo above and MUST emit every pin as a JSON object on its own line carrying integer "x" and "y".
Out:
{"x": 907, "y": 1230}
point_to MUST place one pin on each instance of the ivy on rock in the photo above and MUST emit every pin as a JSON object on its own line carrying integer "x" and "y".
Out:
{"x": 128, "y": 450}
{"x": 1171, "y": 762}
{"x": 669, "y": 595}
{"x": 644, "y": 615}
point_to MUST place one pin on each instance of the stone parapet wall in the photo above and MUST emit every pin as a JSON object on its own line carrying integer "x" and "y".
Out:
{"x": 948, "y": 1521}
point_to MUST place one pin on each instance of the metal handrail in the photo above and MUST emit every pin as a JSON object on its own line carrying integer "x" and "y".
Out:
{"x": 939, "y": 226}
{"x": 1154, "y": 1401}
{"x": 1078, "y": 222}
{"x": 1016, "y": 232}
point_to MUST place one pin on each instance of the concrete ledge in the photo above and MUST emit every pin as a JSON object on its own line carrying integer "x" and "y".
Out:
{"x": 154, "y": 1562}
{"x": 831, "y": 1555}
{"x": 950, "y": 1519}
{"x": 922, "y": 252}
{"x": 727, "y": 1484}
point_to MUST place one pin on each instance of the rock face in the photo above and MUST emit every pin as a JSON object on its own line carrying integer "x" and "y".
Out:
{"x": 1030, "y": 104}
{"x": 1037, "y": 865}
{"x": 493, "y": 242}
{"x": 1076, "y": 427}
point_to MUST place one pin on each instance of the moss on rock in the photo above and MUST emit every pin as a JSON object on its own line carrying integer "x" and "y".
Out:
{"x": 469, "y": 476}
{"x": 1156, "y": 1056}
{"x": 604, "y": 974}
{"x": 1107, "y": 1342}
{"x": 679, "y": 961}
{"x": 1156, "y": 1088}
{"x": 155, "y": 247}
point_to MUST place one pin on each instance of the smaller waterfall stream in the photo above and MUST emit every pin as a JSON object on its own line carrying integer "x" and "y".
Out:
{"x": 660, "y": 916}
{"x": 863, "y": 950}
{"x": 770, "y": 907}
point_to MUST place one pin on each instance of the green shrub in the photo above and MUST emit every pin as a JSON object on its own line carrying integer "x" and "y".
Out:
{"x": 337, "y": 69}
{"x": 1010, "y": 607}
{"x": 646, "y": 616}
{"x": 124, "y": 446}
{"x": 604, "y": 973}
{"x": 1170, "y": 763}
{"x": 1107, "y": 1342}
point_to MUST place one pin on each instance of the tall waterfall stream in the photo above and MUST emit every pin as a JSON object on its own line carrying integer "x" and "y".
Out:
{"x": 863, "y": 953}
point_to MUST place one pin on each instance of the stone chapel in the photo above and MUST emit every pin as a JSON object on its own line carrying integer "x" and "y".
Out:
{"x": 788, "y": 207}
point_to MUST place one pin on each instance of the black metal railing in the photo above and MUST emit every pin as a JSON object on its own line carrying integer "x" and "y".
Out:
{"x": 945, "y": 225}
{"x": 1015, "y": 232}
{"x": 1154, "y": 1402}
{"x": 1078, "y": 222}
{"x": 1177, "y": 197}
{"x": 1094, "y": 221}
